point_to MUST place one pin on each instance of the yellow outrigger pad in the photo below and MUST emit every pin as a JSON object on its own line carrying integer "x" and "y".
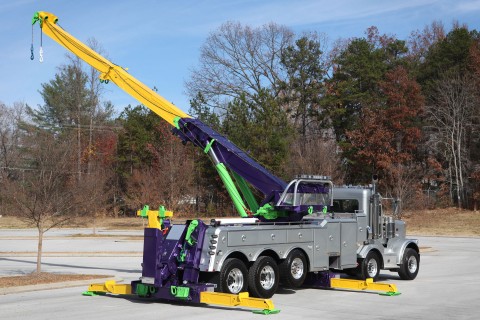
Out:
{"x": 110, "y": 286}
{"x": 367, "y": 285}
{"x": 238, "y": 300}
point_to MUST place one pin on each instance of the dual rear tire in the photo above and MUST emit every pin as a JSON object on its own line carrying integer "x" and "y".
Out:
{"x": 294, "y": 269}
{"x": 261, "y": 280}
{"x": 263, "y": 277}
{"x": 233, "y": 277}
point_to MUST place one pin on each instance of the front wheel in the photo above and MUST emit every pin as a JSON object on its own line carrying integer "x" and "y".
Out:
{"x": 263, "y": 278}
{"x": 410, "y": 264}
{"x": 233, "y": 277}
{"x": 370, "y": 266}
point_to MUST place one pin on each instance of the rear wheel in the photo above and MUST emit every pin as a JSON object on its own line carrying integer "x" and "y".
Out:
{"x": 233, "y": 277}
{"x": 263, "y": 278}
{"x": 293, "y": 269}
{"x": 410, "y": 264}
{"x": 370, "y": 266}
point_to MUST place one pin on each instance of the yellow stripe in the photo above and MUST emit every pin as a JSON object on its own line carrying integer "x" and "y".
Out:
{"x": 112, "y": 72}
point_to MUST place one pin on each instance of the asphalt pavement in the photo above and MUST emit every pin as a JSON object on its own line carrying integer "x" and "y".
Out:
{"x": 446, "y": 287}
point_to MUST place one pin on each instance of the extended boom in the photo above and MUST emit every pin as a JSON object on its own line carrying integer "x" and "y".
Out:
{"x": 308, "y": 196}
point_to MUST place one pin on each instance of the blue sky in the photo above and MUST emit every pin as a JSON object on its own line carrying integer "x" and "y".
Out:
{"x": 159, "y": 41}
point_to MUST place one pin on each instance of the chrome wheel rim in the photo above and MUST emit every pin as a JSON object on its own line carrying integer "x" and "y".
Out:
{"x": 296, "y": 268}
{"x": 267, "y": 277}
{"x": 372, "y": 268}
{"x": 412, "y": 264}
{"x": 235, "y": 280}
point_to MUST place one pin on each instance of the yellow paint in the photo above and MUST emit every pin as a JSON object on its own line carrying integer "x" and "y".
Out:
{"x": 235, "y": 300}
{"x": 110, "y": 71}
{"x": 111, "y": 286}
{"x": 154, "y": 217}
{"x": 362, "y": 285}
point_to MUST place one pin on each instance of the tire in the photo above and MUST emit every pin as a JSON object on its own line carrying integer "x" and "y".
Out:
{"x": 233, "y": 277}
{"x": 293, "y": 270}
{"x": 410, "y": 264}
{"x": 263, "y": 278}
{"x": 370, "y": 266}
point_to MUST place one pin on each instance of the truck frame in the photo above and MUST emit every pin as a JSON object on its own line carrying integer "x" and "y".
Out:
{"x": 297, "y": 235}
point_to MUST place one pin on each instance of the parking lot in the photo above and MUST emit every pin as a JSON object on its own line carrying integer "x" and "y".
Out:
{"x": 446, "y": 287}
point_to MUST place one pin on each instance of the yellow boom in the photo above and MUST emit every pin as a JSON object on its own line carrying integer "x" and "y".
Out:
{"x": 108, "y": 70}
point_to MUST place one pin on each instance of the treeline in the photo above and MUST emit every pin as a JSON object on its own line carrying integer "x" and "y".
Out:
{"x": 407, "y": 110}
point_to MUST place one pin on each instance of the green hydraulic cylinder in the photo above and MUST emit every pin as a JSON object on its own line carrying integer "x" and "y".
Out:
{"x": 247, "y": 192}
{"x": 232, "y": 189}
{"x": 227, "y": 181}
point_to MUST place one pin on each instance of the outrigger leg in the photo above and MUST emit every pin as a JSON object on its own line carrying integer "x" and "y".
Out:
{"x": 327, "y": 280}
{"x": 242, "y": 299}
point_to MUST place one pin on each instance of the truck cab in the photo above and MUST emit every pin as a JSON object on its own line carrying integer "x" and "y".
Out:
{"x": 381, "y": 239}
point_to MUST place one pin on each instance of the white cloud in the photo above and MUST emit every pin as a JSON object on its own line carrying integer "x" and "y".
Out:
{"x": 306, "y": 12}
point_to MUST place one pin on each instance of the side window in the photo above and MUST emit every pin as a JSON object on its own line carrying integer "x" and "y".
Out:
{"x": 345, "y": 205}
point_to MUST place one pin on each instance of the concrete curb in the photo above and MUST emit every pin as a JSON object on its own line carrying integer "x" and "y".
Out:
{"x": 55, "y": 285}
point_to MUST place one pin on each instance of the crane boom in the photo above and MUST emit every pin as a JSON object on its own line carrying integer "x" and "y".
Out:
{"x": 281, "y": 200}
{"x": 109, "y": 70}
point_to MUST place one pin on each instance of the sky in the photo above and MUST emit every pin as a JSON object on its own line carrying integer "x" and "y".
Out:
{"x": 159, "y": 41}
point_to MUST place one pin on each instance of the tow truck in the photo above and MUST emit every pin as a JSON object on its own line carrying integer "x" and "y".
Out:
{"x": 301, "y": 233}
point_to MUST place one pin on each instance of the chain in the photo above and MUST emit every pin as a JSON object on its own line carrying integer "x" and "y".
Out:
{"x": 31, "y": 47}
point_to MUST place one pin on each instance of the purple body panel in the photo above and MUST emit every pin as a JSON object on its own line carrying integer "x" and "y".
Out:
{"x": 319, "y": 280}
{"x": 171, "y": 261}
{"x": 195, "y": 131}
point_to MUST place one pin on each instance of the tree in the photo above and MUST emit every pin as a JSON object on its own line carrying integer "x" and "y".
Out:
{"x": 155, "y": 167}
{"x": 209, "y": 189}
{"x": 386, "y": 140}
{"x": 317, "y": 156}
{"x": 137, "y": 133}
{"x": 454, "y": 107}
{"x": 72, "y": 106}
{"x": 238, "y": 60}
{"x": 357, "y": 71}
{"x": 304, "y": 87}
{"x": 420, "y": 42}
{"x": 10, "y": 144}
{"x": 450, "y": 54}
{"x": 262, "y": 130}
{"x": 168, "y": 179}
{"x": 44, "y": 195}
{"x": 448, "y": 77}
{"x": 356, "y": 101}
{"x": 99, "y": 188}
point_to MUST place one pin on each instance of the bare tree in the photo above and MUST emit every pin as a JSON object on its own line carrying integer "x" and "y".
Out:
{"x": 321, "y": 156}
{"x": 10, "y": 118}
{"x": 238, "y": 60}
{"x": 419, "y": 42}
{"x": 451, "y": 114}
{"x": 169, "y": 179}
{"x": 402, "y": 183}
{"x": 43, "y": 195}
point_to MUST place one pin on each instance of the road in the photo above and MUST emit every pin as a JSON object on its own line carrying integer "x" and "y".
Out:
{"x": 446, "y": 287}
